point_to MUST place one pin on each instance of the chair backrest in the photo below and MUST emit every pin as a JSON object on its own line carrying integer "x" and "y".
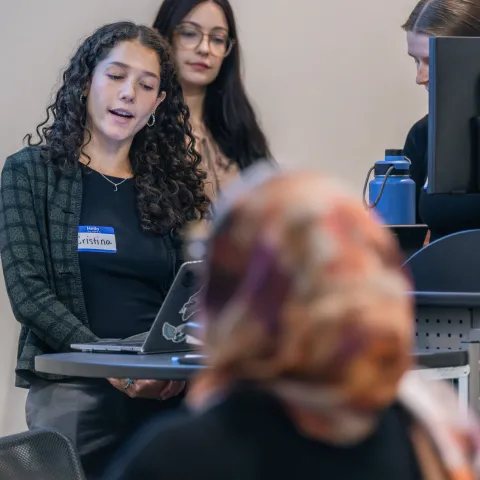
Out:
{"x": 39, "y": 455}
{"x": 450, "y": 264}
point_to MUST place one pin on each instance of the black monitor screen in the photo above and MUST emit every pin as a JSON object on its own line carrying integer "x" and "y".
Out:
{"x": 454, "y": 115}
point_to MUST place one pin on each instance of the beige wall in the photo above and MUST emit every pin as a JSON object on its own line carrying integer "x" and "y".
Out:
{"x": 331, "y": 81}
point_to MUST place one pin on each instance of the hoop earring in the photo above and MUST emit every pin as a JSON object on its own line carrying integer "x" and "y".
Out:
{"x": 83, "y": 99}
{"x": 152, "y": 120}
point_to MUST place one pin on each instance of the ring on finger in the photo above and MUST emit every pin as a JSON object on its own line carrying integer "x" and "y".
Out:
{"x": 129, "y": 382}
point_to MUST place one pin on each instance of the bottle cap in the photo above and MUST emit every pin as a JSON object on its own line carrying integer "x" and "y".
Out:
{"x": 392, "y": 152}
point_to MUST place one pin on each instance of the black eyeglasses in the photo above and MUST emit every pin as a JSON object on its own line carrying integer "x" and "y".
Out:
{"x": 190, "y": 37}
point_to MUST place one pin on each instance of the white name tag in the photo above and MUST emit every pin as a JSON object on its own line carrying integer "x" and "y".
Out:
{"x": 96, "y": 239}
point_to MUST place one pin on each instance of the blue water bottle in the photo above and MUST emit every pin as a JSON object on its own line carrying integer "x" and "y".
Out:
{"x": 392, "y": 191}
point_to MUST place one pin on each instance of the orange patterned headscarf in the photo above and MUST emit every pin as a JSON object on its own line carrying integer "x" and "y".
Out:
{"x": 305, "y": 295}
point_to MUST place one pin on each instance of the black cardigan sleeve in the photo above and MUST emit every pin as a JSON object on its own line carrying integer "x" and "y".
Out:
{"x": 33, "y": 302}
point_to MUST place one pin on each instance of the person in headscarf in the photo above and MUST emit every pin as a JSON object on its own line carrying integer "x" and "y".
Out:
{"x": 308, "y": 331}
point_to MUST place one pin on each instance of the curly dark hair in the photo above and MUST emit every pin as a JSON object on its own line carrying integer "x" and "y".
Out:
{"x": 165, "y": 164}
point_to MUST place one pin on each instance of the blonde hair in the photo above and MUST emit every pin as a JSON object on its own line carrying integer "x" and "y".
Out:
{"x": 449, "y": 18}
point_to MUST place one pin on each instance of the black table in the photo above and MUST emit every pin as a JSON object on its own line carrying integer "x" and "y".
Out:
{"x": 165, "y": 366}
{"x": 116, "y": 365}
{"x": 450, "y": 299}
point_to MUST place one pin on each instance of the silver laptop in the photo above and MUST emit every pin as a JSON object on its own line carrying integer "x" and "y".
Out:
{"x": 167, "y": 333}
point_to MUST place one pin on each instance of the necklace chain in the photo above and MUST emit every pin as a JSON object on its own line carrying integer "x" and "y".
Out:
{"x": 116, "y": 185}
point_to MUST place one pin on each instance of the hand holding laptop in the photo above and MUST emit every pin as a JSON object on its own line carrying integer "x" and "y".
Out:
{"x": 154, "y": 389}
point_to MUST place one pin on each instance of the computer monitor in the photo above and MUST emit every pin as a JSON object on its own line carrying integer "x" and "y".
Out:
{"x": 454, "y": 115}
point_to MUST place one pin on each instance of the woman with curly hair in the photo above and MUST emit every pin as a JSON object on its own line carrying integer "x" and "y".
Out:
{"x": 90, "y": 220}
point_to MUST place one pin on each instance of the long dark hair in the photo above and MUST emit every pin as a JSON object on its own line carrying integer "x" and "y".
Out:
{"x": 228, "y": 114}
{"x": 449, "y": 18}
{"x": 165, "y": 164}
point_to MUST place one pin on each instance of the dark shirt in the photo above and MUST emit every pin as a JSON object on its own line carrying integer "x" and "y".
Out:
{"x": 443, "y": 213}
{"x": 124, "y": 290}
{"x": 250, "y": 436}
{"x": 40, "y": 211}
{"x": 415, "y": 149}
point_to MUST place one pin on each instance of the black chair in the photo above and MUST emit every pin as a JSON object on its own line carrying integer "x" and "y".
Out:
{"x": 39, "y": 455}
{"x": 446, "y": 276}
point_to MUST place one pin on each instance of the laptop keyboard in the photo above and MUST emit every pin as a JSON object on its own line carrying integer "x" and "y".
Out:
{"x": 137, "y": 340}
{"x": 130, "y": 343}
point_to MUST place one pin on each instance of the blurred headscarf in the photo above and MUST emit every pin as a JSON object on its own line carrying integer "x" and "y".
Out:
{"x": 306, "y": 297}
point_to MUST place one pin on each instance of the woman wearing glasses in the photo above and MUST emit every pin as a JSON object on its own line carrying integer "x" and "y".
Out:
{"x": 203, "y": 36}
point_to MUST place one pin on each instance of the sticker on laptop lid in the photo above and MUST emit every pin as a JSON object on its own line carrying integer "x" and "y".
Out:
{"x": 191, "y": 306}
{"x": 173, "y": 334}
{"x": 177, "y": 334}
{"x": 96, "y": 239}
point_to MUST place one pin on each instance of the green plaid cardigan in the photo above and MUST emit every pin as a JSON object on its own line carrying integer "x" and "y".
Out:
{"x": 39, "y": 217}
